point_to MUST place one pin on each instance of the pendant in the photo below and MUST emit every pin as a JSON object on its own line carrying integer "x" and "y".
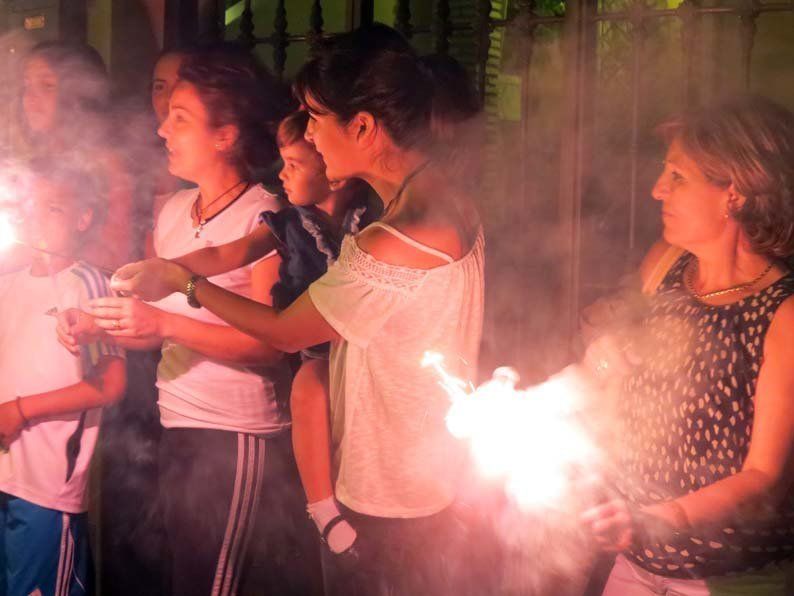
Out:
{"x": 200, "y": 228}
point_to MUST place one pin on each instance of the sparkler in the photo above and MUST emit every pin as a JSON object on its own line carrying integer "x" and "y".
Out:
{"x": 529, "y": 438}
{"x": 9, "y": 238}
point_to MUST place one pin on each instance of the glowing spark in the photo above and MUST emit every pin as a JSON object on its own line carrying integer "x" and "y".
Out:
{"x": 528, "y": 438}
{"x": 8, "y": 235}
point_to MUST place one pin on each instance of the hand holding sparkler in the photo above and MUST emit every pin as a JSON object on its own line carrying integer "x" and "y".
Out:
{"x": 152, "y": 279}
{"x": 77, "y": 328}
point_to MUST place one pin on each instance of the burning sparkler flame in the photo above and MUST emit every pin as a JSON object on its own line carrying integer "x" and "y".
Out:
{"x": 530, "y": 438}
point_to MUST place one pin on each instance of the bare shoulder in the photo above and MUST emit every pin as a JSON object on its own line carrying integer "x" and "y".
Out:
{"x": 390, "y": 248}
{"x": 652, "y": 258}
{"x": 781, "y": 331}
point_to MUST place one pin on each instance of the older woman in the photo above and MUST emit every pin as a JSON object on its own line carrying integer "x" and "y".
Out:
{"x": 707, "y": 427}
{"x": 409, "y": 283}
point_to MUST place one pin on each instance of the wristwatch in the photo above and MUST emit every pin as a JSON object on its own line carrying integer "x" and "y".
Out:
{"x": 190, "y": 291}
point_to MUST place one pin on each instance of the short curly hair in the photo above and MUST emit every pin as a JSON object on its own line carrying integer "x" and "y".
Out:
{"x": 747, "y": 141}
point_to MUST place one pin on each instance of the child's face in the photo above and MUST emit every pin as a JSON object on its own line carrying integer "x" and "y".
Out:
{"x": 55, "y": 220}
{"x": 303, "y": 174}
{"x": 39, "y": 95}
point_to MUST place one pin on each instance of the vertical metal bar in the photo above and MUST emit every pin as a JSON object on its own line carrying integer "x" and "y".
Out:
{"x": 217, "y": 26}
{"x": 526, "y": 47}
{"x": 402, "y": 18}
{"x": 315, "y": 23}
{"x": 637, "y": 17}
{"x": 690, "y": 21}
{"x": 280, "y": 39}
{"x": 482, "y": 40}
{"x": 247, "y": 37}
{"x": 579, "y": 51}
{"x": 442, "y": 27}
{"x": 748, "y": 13}
{"x": 366, "y": 12}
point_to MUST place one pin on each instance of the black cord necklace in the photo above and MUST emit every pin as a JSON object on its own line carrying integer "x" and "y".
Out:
{"x": 198, "y": 212}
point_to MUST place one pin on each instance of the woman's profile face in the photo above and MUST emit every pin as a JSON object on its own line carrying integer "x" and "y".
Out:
{"x": 164, "y": 78}
{"x": 336, "y": 142}
{"x": 39, "y": 95}
{"x": 694, "y": 209}
{"x": 191, "y": 141}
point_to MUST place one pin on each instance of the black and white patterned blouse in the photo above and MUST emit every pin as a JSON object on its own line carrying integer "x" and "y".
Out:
{"x": 687, "y": 415}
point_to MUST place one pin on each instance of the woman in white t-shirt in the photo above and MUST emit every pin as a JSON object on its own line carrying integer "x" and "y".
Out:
{"x": 409, "y": 283}
{"x": 221, "y": 392}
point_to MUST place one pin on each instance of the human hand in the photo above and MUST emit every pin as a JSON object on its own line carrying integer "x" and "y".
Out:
{"x": 127, "y": 317}
{"x": 152, "y": 279}
{"x": 611, "y": 524}
{"x": 11, "y": 423}
{"x": 610, "y": 357}
{"x": 76, "y": 328}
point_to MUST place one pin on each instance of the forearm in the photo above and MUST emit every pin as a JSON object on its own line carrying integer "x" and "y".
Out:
{"x": 749, "y": 494}
{"x": 219, "y": 341}
{"x": 205, "y": 262}
{"x": 92, "y": 392}
{"x": 250, "y": 317}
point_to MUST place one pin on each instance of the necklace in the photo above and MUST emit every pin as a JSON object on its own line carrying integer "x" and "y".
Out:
{"x": 198, "y": 212}
{"x": 689, "y": 281}
{"x": 406, "y": 181}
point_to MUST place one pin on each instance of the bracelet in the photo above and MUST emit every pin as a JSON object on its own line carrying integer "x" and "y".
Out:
{"x": 25, "y": 420}
{"x": 190, "y": 291}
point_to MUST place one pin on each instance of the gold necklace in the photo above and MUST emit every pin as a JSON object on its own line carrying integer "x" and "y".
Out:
{"x": 690, "y": 283}
{"x": 198, "y": 212}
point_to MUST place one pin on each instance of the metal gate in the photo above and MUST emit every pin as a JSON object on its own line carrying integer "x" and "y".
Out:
{"x": 571, "y": 91}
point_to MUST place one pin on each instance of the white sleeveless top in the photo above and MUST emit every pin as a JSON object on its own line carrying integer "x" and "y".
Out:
{"x": 392, "y": 453}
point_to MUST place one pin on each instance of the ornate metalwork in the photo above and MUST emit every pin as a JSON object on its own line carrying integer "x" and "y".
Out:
{"x": 247, "y": 36}
{"x": 402, "y": 18}
{"x": 315, "y": 23}
{"x": 442, "y": 27}
{"x": 280, "y": 39}
{"x": 482, "y": 39}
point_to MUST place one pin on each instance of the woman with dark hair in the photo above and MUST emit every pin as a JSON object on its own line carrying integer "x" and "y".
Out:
{"x": 707, "y": 429}
{"x": 64, "y": 110}
{"x": 406, "y": 284}
{"x": 221, "y": 391}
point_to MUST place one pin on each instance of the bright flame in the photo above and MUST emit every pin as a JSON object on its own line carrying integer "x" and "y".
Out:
{"x": 8, "y": 235}
{"x": 528, "y": 438}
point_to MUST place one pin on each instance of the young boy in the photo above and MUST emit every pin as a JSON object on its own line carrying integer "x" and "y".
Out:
{"x": 50, "y": 399}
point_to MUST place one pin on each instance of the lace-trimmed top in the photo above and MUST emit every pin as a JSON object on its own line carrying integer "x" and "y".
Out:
{"x": 687, "y": 416}
{"x": 393, "y": 456}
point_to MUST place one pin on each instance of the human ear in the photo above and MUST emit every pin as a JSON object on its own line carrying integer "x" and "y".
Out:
{"x": 84, "y": 220}
{"x": 735, "y": 201}
{"x": 365, "y": 127}
{"x": 226, "y": 136}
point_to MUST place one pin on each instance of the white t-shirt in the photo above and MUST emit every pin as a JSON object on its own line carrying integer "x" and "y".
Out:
{"x": 197, "y": 391}
{"x": 48, "y": 464}
{"x": 392, "y": 453}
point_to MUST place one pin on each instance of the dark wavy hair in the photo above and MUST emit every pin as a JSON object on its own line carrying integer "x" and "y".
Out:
{"x": 236, "y": 89}
{"x": 83, "y": 87}
{"x": 746, "y": 141}
{"x": 372, "y": 69}
{"x": 424, "y": 103}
